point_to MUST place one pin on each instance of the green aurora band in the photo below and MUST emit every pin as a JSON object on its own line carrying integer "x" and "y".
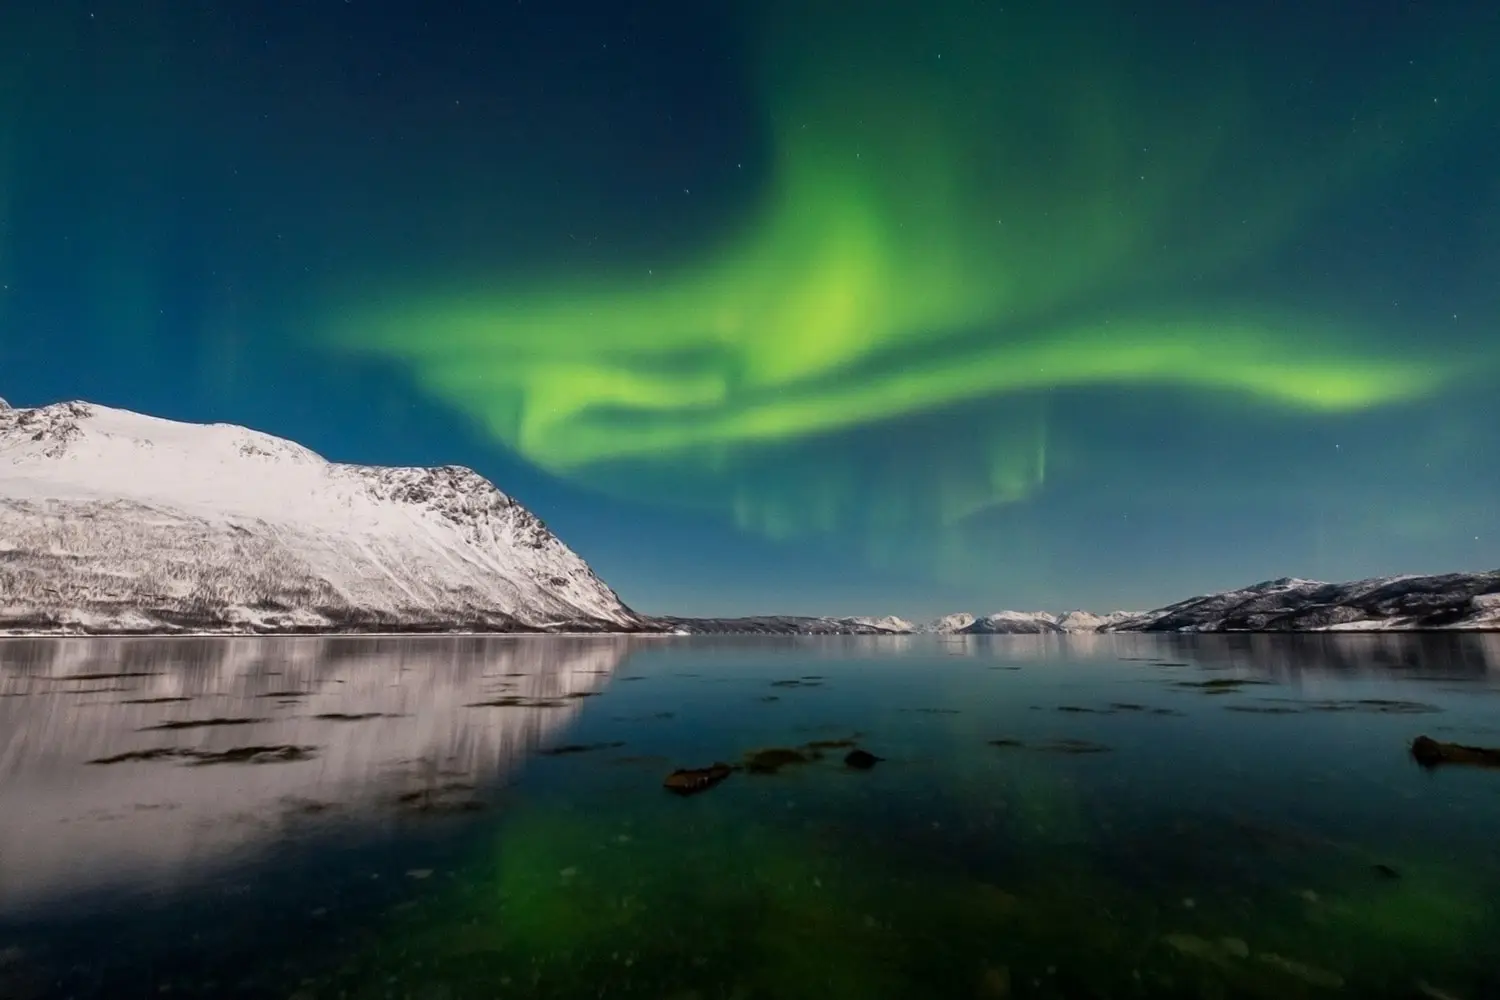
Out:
{"x": 966, "y": 211}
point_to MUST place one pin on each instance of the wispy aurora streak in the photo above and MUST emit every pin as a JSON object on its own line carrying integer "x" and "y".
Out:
{"x": 963, "y": 210}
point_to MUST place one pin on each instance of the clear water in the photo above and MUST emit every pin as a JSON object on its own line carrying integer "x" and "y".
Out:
{"x": 1272, "y": 839}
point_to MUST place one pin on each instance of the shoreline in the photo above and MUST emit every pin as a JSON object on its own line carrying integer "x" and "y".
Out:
{"x": 419, "y": 633}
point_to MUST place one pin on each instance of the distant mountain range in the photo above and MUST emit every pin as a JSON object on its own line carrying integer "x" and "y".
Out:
{"x": 112, "y": 522}
{"x": 1451, "y": 601}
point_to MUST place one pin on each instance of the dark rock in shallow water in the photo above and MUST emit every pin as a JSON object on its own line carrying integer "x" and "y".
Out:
{"x": 773, "y": 759}
{"x": 572, "y": 748}
{"x": 1219, "y": 685}
{"x": 691, "y": 781}
{"x": 353, "y": 716}
{"x": 1070, "y": 746}
{"x": 199, "y": 724}
{"x": 861, "y": 760}
{"x": 1065, "y": 746}
{"x": 1431, "y": 753}
{"x": 1378, "y": 706}
{"x": 234, "y": 755}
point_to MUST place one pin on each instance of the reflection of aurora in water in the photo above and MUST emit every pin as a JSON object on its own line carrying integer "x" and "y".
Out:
{"x": 1207, "y": 853}
{"x": 951, "y": 220}
{"x": 1175, "y": 866}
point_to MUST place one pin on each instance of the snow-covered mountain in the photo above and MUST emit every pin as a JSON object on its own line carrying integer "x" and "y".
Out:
{"x": 886, "y": 623}
{"x": 1446, "y": 601}
{"x": 1014, "y": 623}
{"x": 1087, "y": 621}
{"x": 781, "y": 625}
{"x": 1466, "y": 601}
{"x": 112, "y": 521}
{"x": 948, "y": 624}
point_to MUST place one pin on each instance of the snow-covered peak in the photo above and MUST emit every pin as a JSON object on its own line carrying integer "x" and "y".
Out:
{"x": 228, "y": 518}
{"x": 1015, "y": 622}
{"x": 888, "y": 623}
{"x": 1080, "y": 621}
{"x": 948, "y": 624}
{"x": 85, "y": 450}
{"x": 3, "y": 404}
{"x": 1088, "y": 621}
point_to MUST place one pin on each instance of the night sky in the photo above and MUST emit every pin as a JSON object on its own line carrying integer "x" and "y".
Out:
{"x": 801, "y": 306}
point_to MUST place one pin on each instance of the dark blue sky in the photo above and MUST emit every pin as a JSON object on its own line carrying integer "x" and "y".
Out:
{"x": 812, "y": 308}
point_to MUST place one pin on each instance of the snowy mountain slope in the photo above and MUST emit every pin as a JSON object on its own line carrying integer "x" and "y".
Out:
{"x": 956, "y": 622}
{"x": 1014, "y": 623}
{"x": 1087, "y": 621}
{"x": 887, "y": 623}
{"x": 112, "y": 521}
{"x": 1446, "y": 601}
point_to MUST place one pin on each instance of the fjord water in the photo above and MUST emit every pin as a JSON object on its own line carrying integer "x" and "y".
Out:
{"x": 1086, "y": 816}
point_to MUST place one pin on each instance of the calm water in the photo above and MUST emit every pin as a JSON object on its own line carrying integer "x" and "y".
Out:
{"x": 344, "y": 818}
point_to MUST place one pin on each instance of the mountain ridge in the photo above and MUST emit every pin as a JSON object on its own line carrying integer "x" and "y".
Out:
{"x": 115, "y": 522}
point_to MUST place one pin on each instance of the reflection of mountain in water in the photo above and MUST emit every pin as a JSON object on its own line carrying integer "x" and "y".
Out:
{"x": 1279, "y": 654}
{"x": 1288, "y": 656}
{"x": 397, "y": 721}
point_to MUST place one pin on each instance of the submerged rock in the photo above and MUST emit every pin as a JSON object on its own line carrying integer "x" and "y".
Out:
{"x": 234, "y": 755}
{"x": 199, "y": 724}
{"x": 1310, "y": 974}
{"x": 1430, "y": 753}
{"x": 995, "y": 982}
{"x": 691, "y": 781}
{"x": 572, "y": 748}
{"x": 861, "y": 760}
{"x": 773, "y": 759}
{"x": 1197, "y": 947}
{"x": 1069, "y": 746}
{"x": 1219, "y": 685}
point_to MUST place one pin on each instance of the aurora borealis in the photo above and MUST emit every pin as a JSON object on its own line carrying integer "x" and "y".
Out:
{"x": 848, "y": 307}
